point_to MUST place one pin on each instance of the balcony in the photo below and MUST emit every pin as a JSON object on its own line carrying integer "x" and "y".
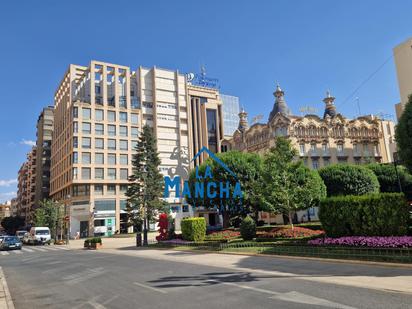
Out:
{"x": 111, "y": 102}
{"x": 314, "y": 154}
{"x": 98, "y": 100}
{"x": 342, "y": 154}
{"x": 123, "y": 101}
{"x": 357, "y": 154}
{"x": 135, "y": 103}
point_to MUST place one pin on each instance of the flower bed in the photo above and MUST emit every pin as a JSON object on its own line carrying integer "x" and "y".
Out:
{"x": 223, "y": 235}
{"x": 365, "y": 241}
{"x": 288, "y": 232}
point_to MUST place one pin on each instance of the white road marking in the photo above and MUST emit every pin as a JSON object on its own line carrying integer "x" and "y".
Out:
{"x": 4, "y": 253}
{"x": 61, "y": 248}
{"x": 18, "y": 252}
{"x": 149, "y": 287}
{"x": 292, "y": 296}
{"x": 39, "y": 249}
{"x": 27, "y": 249}
{"x": 84, "y": 275}
{"x": 49, "y": 248}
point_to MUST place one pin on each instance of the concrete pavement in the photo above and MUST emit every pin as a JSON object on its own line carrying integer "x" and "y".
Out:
{"x": 6, "y": 301}
{"x": 164, "y": 279}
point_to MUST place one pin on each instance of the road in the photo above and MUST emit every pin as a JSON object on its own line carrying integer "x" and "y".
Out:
{"x": 61, "y": 278}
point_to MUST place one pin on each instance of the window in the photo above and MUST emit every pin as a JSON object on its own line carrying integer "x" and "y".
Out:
{"x": 340, "y": 148}
{"x": 325, "y": 148}
{"x": 133, "y": 144}
{"x": 365, "y": 148}
{"x": 98, "y": 115}
{"x": 75, "y": 157}
{"x": 134, "y": 132}
{"x": 75, "y": 142}
{"x": 123, "y": 159}
{"x": 123, "y": 131}
{"x": 98, "y": 190}
{"x": 123, "y": 145}
{"x": 111, "y": 130}
{"x": 75, "y": 112}
{"x": 99, "y": 173}
{"x": 111, "y": 144}
{"x": 99, "y": 143}
{"x": 74, "y": 173}
{"x": 315, "y": 164}
{"x": 104, "y": 205}
{"x": 86, "y": 143}
{"x": 326, "y": 161}
{"x": 111, "y": 158}
{"x": 86, "y": 158}
{"x": 302, "y": 149}
{"x": 98, "y": 129}
{"x": 111, "y": 189}
{"x": 81, "y": 190}
{"x": 99, "y": 158}
{"x": 86, "y": 128}
{"x": 75, "y": 127}
{"x": 134, "y": 119}
{"x": 97, "y": 89}
{"x": 123, "y": 189}
{"x": 123, "y": 117}
{"x": 86, "y": 113}
{"x": 99, "y": 222}
{"x": 124, "y": 173}
{"x": 111, "y": 173}
{"x": 313, "y": 147}
{"x": 111, "y": 116}
{"x": 86, "y": 173}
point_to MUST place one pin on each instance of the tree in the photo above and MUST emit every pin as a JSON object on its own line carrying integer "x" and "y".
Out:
{"x": 146, "y": 184}
{"x": 50, "y": 214}
{"x": 290, "y": 186}
{"x": 388, "y": 180}
{"x": 247, "y": 168}
{"x": 346, "y": 179}
{"x": 12, "y": 224}
{"x": 403, "y": 134}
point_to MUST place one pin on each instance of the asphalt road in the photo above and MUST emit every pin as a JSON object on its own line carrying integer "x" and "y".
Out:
{"x": 90, "y": 279}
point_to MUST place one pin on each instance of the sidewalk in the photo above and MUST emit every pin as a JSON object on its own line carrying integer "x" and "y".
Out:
{"x": 5, "y": 298}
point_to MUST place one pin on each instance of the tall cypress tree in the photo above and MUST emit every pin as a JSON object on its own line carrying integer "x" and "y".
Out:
{"x": 403, "y": 135}
{"x": 146, "y": 183}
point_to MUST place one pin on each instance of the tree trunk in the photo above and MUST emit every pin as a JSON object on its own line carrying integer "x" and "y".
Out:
{"x": 226, "y": 219}
{"x": 290, "y": 219}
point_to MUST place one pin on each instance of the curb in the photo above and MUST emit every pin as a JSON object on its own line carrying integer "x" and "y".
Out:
{"x": 3, "y": 283}
{"x": 342, "y": 261}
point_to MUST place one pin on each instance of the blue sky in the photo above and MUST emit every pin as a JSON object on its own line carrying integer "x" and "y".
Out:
{"x": 307, "y": 46}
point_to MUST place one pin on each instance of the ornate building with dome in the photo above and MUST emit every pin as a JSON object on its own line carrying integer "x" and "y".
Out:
{"x": 319, "y": 141}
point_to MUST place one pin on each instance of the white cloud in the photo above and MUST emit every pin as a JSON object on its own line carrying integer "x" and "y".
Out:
{"x": 5, "y": 196}
{"x": 7, "y": 183}
{"x": 28, "y": 142}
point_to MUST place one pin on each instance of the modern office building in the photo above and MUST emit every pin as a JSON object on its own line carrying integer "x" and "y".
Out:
{"x": 43, "y": 160}
{"x": 231, "y": 109}
{"x": 99, "y": 112}
{"x": 403, "y": 62}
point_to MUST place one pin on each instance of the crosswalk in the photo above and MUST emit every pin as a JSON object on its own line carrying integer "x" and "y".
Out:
{"x": 33, "y": 249}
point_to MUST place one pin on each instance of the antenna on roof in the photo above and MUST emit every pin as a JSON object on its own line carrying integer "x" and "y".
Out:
{"x": 256, "y": 119}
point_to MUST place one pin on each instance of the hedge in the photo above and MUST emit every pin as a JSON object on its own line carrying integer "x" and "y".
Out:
{"x": 193, "y": 229}
{"x": 382, "y": 214}
{"x": 346, "y": 179}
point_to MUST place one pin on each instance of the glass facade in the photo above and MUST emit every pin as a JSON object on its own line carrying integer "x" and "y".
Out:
{"x": 211, "y": 129}
{"x": 231, "y": 109}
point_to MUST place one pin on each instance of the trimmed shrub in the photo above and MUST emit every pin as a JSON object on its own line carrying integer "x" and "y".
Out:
{"x": 383, "y": 214}
{"x": 345, "y": 179}
{"x": 193, "y": 229}
{"x": 248, "y": 228}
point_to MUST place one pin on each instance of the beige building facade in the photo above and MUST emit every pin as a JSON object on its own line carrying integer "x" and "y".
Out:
{"x": 402, "y": 54}
{"x": 98, "y": 113}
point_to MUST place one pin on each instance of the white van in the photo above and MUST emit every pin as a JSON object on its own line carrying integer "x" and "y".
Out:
{"x": 38, "y": 235}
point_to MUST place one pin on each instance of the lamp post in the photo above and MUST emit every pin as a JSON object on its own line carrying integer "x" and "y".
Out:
{"x": 67, "y": 215}
{"x": 395, "y": 163}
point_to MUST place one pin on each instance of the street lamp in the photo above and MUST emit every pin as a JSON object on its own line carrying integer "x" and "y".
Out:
{"x": 67, "y": 215}
{"x": 395, "y": 164}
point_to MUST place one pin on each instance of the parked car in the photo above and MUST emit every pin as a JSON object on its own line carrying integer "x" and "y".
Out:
{"x": 11, "y": 243}
{"x": 38, "y": 235}
{"x": 2, "y": 238}
{"x": 20, "y": 234}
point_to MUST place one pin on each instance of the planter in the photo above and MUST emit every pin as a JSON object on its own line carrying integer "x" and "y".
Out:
{"x": 93, "y": 246}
